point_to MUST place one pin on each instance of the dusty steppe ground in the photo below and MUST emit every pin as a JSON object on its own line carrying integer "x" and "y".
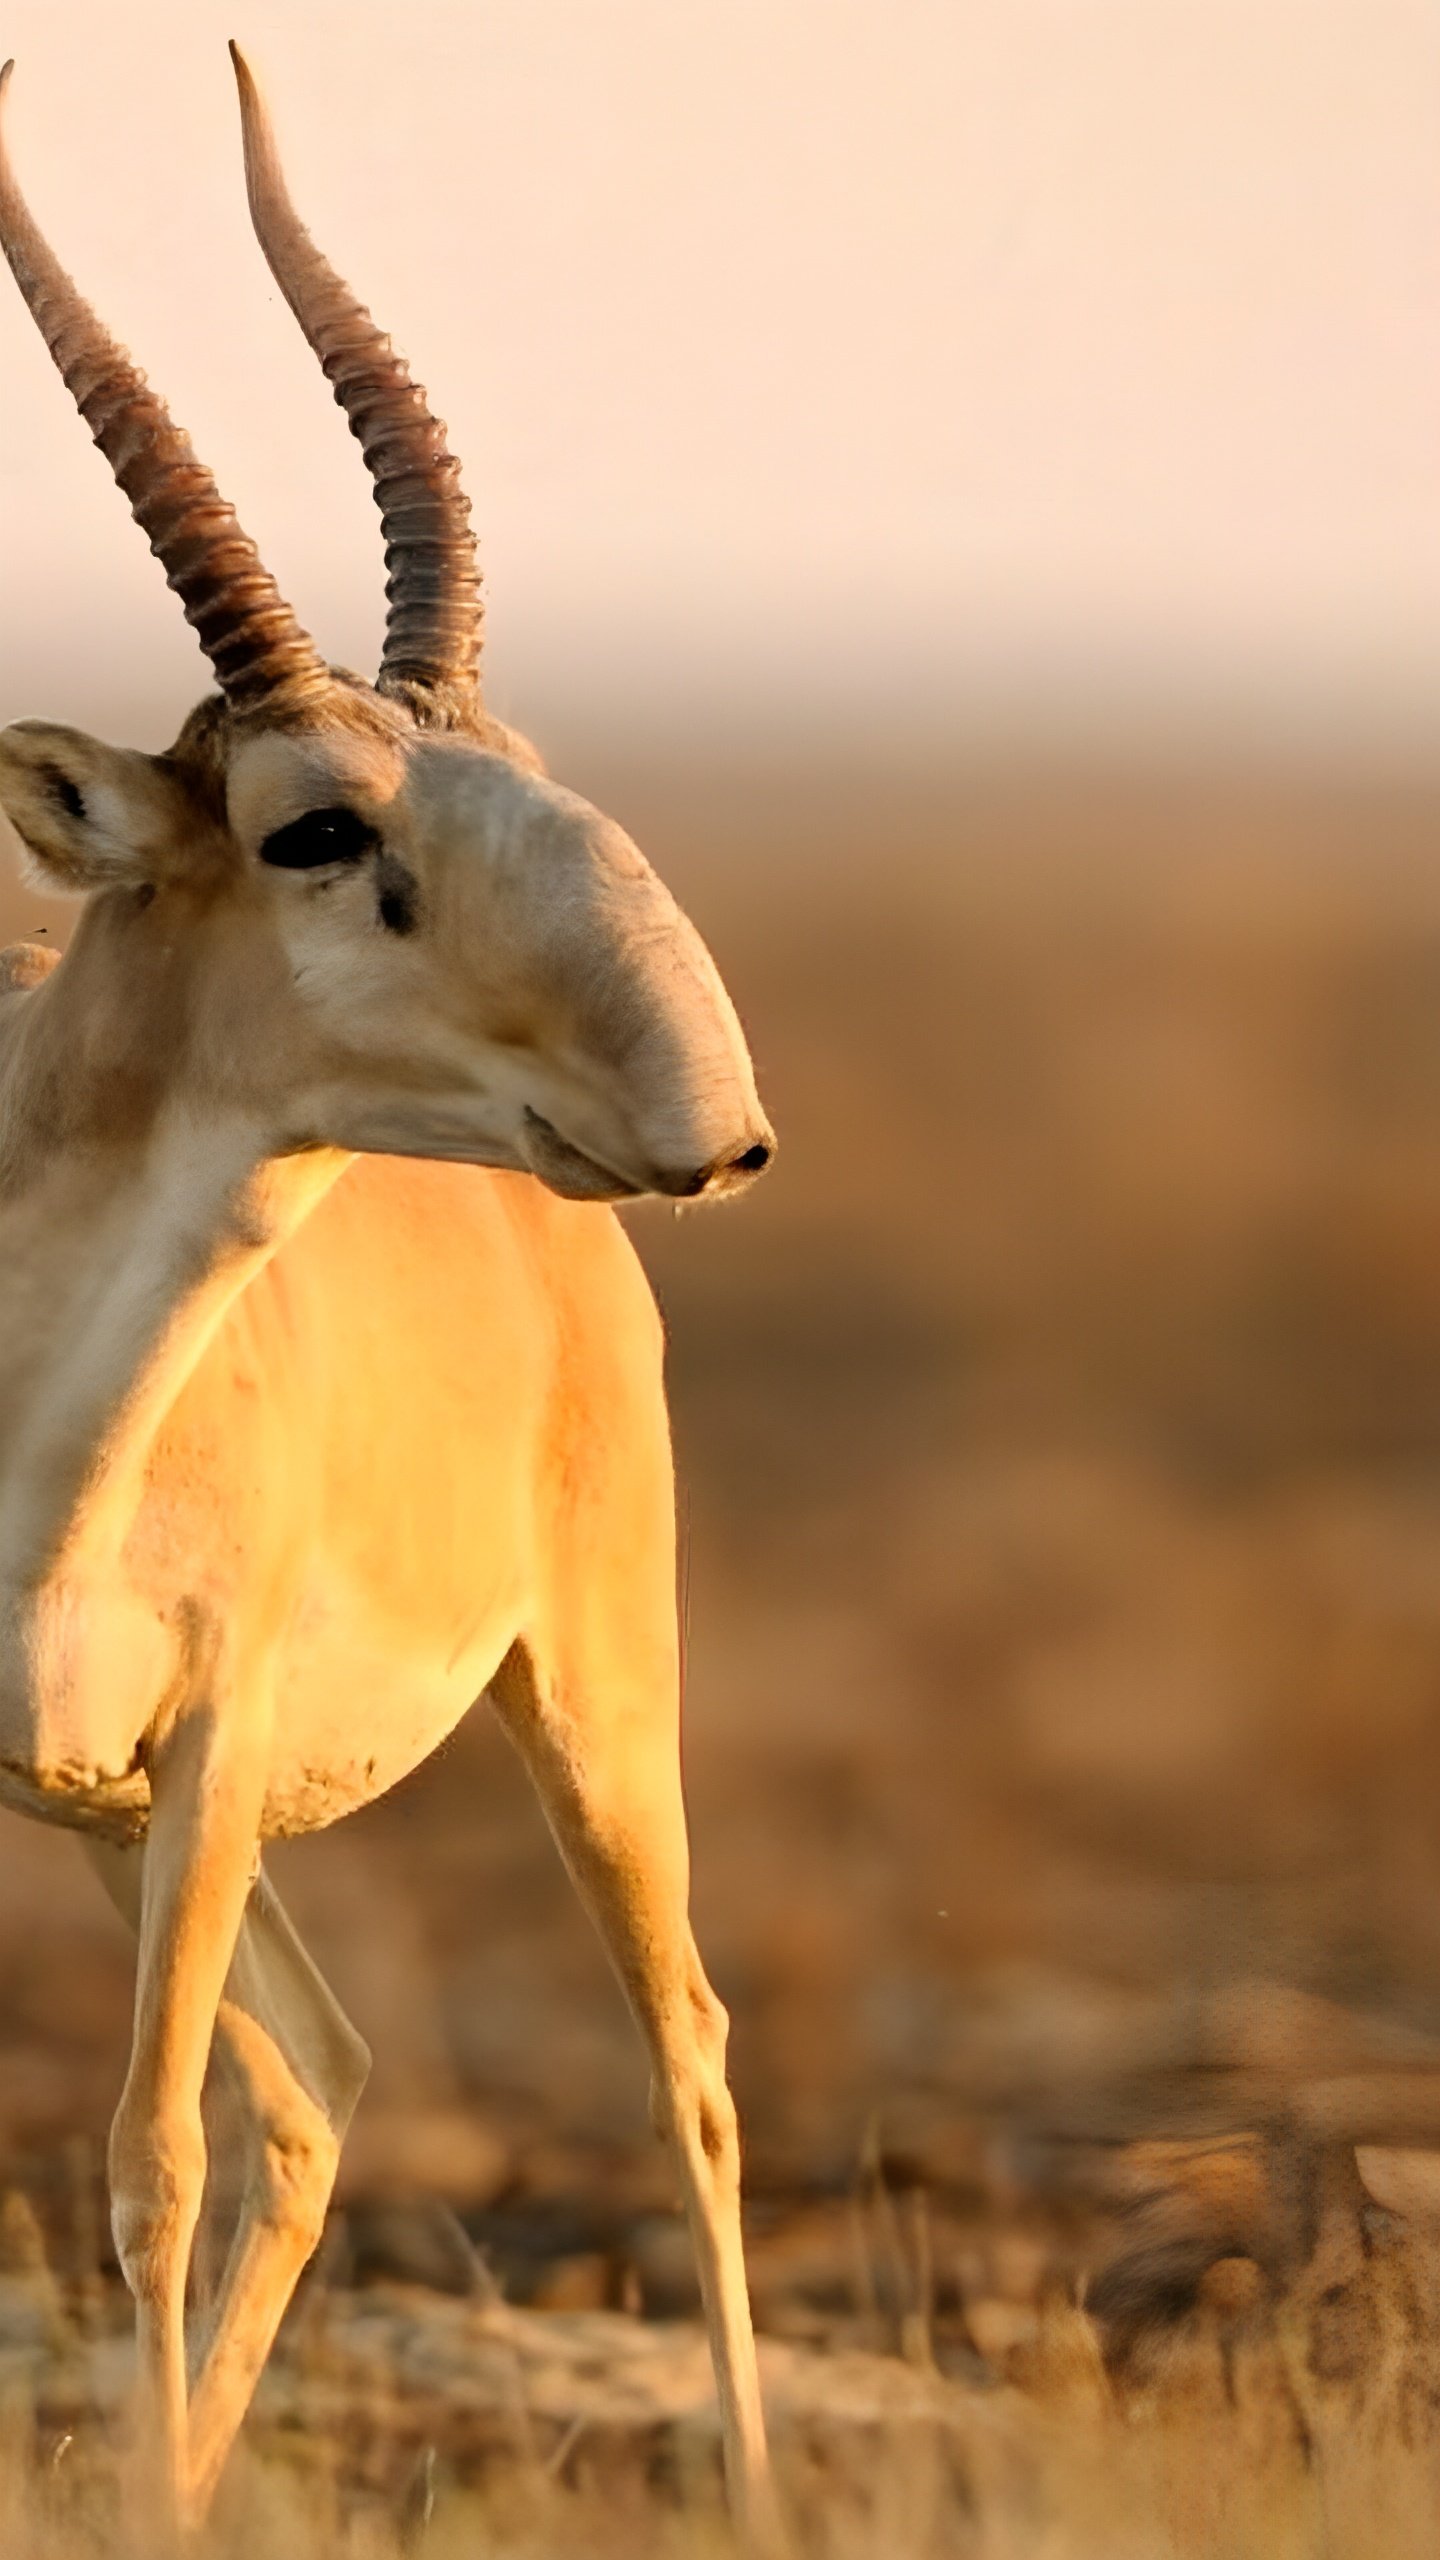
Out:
{"x": 1060, "y": 1430}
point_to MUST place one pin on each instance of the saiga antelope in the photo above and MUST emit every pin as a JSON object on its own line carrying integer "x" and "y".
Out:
{"x": 330, "y": 1388}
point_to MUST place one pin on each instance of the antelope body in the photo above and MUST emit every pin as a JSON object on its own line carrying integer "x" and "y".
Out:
{"x": 330, "y": 1387}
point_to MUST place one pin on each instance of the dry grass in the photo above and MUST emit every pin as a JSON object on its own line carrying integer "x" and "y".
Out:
{"x": 1234, "y": 2449}
{"x": 1266, "y": 2421}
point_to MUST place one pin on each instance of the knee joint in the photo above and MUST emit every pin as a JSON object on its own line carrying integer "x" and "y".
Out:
{"x": 715, "y": 2108}
{"x": 156, "y": 2181}
{"x": 696, "y": 2117}
{"x": 691, "y": 2105}
{"x": 297, "y": 2171}
{"x": 718, "y": 2128}
{"x": 711, "y": 2021}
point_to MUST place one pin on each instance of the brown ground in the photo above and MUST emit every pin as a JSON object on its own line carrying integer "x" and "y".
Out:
{"x": 1061, "y": 1434}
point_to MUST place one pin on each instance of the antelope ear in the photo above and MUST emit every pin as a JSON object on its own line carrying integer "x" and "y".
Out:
{"x": 91, "y": 816}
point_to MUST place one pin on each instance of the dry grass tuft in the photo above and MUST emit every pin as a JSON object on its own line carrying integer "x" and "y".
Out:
{"x": 1262, "y": 2423}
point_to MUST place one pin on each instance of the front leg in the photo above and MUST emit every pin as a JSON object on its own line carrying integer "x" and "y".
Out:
{"x": 297, "y": 2066}
{"x": 207, "y": 1790}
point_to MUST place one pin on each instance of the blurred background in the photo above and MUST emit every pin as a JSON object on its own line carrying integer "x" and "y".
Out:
{"x": 963, "y": 486}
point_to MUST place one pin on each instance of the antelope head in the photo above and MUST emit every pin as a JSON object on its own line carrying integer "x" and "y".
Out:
{"x": 416, "y": 942}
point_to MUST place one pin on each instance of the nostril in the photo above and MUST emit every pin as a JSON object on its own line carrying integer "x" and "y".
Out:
{"x": 720, "y": 1176}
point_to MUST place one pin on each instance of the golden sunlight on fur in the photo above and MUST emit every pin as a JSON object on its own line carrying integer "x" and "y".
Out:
{"x": 302, "y": 1454}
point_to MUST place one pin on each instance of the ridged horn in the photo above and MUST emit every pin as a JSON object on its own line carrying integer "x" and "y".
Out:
{"x": 249, "y": 634}
{"x": 432, "y": 635}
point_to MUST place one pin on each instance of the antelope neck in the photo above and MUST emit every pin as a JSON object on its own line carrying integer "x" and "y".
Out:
{"x": 132, "y": 1214}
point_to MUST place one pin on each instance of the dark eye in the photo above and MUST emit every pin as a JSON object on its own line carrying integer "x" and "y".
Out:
{"x": 321, "y": 836}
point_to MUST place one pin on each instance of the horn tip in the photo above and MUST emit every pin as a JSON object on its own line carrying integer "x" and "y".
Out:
{"x": 252, "y": 105}
{"x": 5, "y": 71}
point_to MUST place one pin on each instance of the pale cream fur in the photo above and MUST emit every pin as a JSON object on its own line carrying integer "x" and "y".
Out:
{"x": 307, "y": 1442}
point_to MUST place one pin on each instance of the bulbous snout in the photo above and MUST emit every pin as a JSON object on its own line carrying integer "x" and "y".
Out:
{"x": 642, "y": 1081}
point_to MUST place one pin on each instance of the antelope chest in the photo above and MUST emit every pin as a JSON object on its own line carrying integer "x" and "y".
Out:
{"x": 356, "y": 1695}
{"x": 81, "y": 1674}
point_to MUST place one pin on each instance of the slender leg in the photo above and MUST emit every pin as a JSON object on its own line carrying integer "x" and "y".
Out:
{"x": 205, "y": 1804}
{"x": 298, "y": 2067}
{"x": 608, "y": 1774}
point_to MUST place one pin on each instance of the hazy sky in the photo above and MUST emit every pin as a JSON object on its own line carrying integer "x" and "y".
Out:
{"x": 830, "y": 355}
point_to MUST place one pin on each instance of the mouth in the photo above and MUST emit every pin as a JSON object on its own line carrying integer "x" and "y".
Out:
{"x": 564, "y": 1168}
